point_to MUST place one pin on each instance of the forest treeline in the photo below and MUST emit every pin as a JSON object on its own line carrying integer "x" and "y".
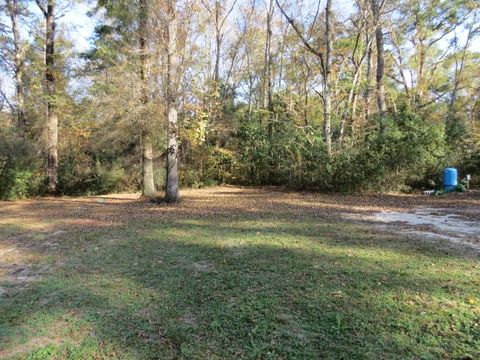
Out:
{"x": 366, "y": 95}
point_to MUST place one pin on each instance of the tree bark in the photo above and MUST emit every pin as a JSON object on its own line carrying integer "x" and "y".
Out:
{"x": 147, "y": 168}
{"x": 459, "y": 70}
{"x": 218, "y": 42}
{"x": 327, "y": 112}
{"x": 351, "y": 101}
{"x": 13, "y": 8}
{"x": 172, "y": 193}
{"x": 148, "y": 183}
{"x": 267, "y": 76}
{"x": 351, "y": 106}
{"x": 50, "y": 84}
{"x": 382, "y": 107}
{"x": 368, "y": 91}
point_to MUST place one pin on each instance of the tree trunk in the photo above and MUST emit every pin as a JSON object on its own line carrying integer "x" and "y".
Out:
{"x": 172, "y": 187}
{"x": 52, "y": 117}
{"x": 147, "y": 169}
{"x": 148, "y": 183}
{"x": 400, "y": 63}
{"x": 351, "y": 107}
{"x": 459, "y": 70}
{"x": 13, "y": 8}
{"x": 382, "y": 107}
{"x": 327, "y": 109}
{"x": 305, "y": 102}
{"x": 267, "y": 77}
{"x": 218, "y": 42}
{"x": 421, "y": 73}
{"x": 351, "y": 102}
{"x": 325, "y": 63}
{"x": 368, "y": 90}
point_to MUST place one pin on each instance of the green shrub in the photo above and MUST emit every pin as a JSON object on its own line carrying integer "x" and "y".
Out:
{"x": 470, "y": 164}
{"x": 19, "y": 165}
{"x": 398, "y": 158}
{"x": 90, "y": 177}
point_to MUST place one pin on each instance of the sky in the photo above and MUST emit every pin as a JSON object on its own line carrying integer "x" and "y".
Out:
{"x": 80, "y": 26}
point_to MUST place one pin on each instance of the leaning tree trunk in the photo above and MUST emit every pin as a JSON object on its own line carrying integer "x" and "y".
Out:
{"x": 172, "y": 187}
{"x": 148, "y": 183}
{"x": 459, "y": 68}
{"x": 357, "y": 79}
{"x": 50, "y": 82}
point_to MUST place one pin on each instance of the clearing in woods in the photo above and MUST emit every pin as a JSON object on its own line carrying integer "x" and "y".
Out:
{"x": 257, "y": 273}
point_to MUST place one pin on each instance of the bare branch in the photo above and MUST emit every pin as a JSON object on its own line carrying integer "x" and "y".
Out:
{"x": 305, "y": 42}
{"x": 41, "y": 7}
{"x": 208, "y": 8}
{"x": 317, "y": 12}
{"x": 6, "y": 101}
{"x": 227, "y": 14}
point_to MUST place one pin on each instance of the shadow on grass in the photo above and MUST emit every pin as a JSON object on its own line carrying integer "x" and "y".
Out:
{"x": 199, "y": 289}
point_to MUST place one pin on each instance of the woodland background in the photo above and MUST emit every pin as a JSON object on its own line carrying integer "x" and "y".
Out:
{"x": 368, "y": 96}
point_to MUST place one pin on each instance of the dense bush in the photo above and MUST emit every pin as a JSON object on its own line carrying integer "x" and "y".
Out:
{"x": 470, "y": 164}
{"x": 20, "y": 175}
{"x": 402, "y": 156}
{"x": 90, "y": 177}
{"x": 207, "y": 166}
{"x": 90, "y": 165}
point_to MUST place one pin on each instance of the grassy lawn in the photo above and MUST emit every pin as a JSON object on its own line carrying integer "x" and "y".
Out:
{"x": 229, "y": 273}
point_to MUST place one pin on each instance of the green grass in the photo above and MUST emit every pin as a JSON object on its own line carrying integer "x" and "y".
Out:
{"x": 223, "y": 288}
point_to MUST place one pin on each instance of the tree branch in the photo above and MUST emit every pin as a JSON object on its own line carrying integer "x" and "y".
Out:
{"x": 305, "y": 42}
{"x": 227, "y": 14}
{"x": 41, "y": 7}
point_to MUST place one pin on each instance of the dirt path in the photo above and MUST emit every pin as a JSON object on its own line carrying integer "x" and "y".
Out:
{"x": 457, "y": 226}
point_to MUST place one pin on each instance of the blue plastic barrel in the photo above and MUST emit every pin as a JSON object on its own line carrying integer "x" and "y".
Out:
{"x": 450, "y": 178}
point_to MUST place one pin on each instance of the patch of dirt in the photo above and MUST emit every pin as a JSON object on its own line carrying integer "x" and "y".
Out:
{"x": 202, "y": 267}
{"x": 189, "y": 320}
{"x": 33, "y": 344}
{"x": 454, "y": 225}
{"x": 238, "y": 252}
{"x": 441, "y": 219}
{"x": 22, "y": 257}
{"x": 56, "y": 330}
{"x": 22, "y": 274}
{"x": 37, "y": 240}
